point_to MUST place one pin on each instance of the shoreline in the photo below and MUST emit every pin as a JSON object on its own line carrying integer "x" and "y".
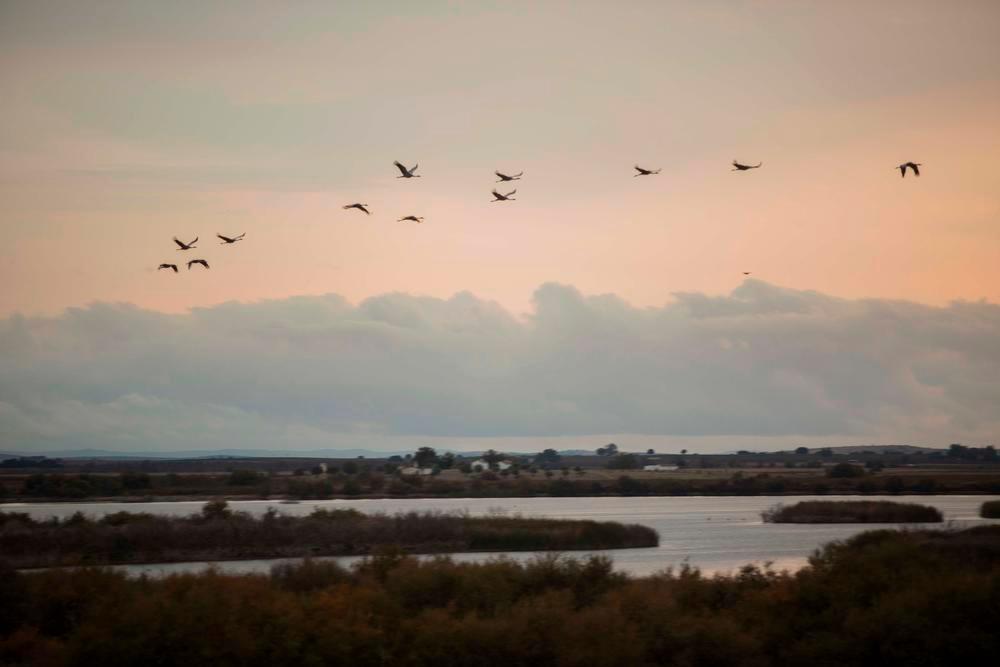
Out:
{"x": 139, "y": 500}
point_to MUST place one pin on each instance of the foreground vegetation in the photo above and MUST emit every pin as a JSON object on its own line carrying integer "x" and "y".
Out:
{"x": 221, "y": 534}
{"x": 852, "y": 511}
{"x": 883, "y": 597}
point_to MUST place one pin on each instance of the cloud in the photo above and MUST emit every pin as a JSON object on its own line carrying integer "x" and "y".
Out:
{"x": 761, "y": 363}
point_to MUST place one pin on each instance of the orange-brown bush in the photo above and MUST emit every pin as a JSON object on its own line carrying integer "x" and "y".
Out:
{"x": 883, "y": 597}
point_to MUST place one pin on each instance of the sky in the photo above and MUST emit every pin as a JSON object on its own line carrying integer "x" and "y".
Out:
{"x": 124, "y": 124}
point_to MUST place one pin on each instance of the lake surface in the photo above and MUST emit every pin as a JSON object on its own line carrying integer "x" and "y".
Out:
{"x": 717, "y": 534}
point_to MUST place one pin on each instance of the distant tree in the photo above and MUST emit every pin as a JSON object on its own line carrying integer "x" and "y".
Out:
{"x": 650, "y": 452}
{"x": 610, "y": 450}
{"x": 548, "y": 456}
{"x": 425, "y": 457}
{"x": 801, "y": 451}
{"x": 684, "y": 451}
{"x": 446, "y": 461}
{"x": 492, "y": 457}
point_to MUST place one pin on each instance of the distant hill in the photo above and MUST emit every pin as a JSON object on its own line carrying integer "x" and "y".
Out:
{"x": 878, "y": 449}
{"x": 210, "y": 454}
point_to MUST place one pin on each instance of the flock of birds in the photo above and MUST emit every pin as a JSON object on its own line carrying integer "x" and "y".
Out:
{"x": 410, "y": 172}
{"x": 225, "y": 240}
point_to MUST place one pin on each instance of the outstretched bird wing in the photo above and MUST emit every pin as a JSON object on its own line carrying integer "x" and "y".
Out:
{"x": 402, "y": 169}
{"x": 511, "y": 192}
{"x": 225, "y": 238}
{"x": 179, "y": 243}
{"x": 916, "y": 171}
{"x": 497, "y": 194}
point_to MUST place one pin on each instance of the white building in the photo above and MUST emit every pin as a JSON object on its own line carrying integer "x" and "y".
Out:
{"x": 659, "y": 468}
{"x": 414, "y": 471}
{"x": 479, "y": 465}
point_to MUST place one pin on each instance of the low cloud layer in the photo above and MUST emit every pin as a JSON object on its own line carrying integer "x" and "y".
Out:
{"x": 762, "y": 363}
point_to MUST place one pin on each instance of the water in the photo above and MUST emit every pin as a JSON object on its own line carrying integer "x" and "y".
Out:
{"x": 717, "y": 534}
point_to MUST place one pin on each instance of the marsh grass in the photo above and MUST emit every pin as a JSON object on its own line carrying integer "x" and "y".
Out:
{"x": 852, "y": 511}
{"x": 218, "y": 533}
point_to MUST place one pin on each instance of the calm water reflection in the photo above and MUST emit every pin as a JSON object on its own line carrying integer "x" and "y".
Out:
{"x": 716, "y": 534}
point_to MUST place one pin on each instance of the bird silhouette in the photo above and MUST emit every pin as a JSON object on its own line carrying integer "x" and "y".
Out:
{"x": 406, "y": 173}
{"x": 198, "y": 261}
{"x": 168, "y": 266}
{"x": 504, "y": 177}
{"x": 645, "y": 172}
{"x": 185, "y": 246}
{"x": 746, "y": 273}
{"x": 415, "y": 218}
{"x": 743, "y": 167}
{"x": 360, "y": 207}
{"x": 226, "y": 240}
{"x": 506, "y": 197}
{"x": 912, "y": 165}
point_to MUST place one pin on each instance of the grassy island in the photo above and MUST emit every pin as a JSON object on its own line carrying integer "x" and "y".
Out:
{"x": 990, "y": 509}
{"x": 921, "y": 597}
{"x": 853, "y": 511}
{"x": 218, "y": 533}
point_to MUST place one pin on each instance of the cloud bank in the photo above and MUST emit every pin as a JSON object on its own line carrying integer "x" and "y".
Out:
{"x": 761, "y": 364}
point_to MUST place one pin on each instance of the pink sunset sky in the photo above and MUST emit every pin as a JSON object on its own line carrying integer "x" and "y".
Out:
{"x": 124, "y": 124}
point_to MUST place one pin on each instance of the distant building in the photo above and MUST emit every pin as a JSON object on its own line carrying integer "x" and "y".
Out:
{"x": 414, "y": 471}
{"x": 479, "y": 465}
{"x": 659, "y": 468}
